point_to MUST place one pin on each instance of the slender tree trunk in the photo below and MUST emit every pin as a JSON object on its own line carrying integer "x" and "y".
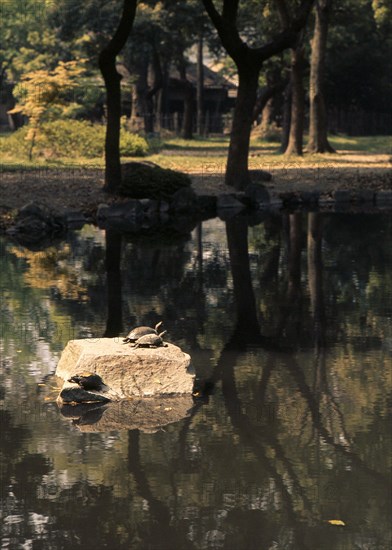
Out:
{"x": 266, "y": 96}
{"x": 164, "y": 98}
{"x": 200, "y": 85}
{"x": 32, "y": 143}
{"x": 295, "y": 144}
{"x": 140, "y": 111}
{"x": 237, "y": 174}
{"x": 318, "y": 128}
{"x": 187, "y": 123}
{"x": 153, "y": 99}
{"x": 286, "y": 120}
{"x": 107, "y": 65}
{"x": 266, "y": 117}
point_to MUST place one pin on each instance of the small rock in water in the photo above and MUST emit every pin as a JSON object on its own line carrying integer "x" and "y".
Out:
{"x": 127, "y": 371}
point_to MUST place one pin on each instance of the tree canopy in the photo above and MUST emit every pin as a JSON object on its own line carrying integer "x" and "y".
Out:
{"x": 272, "y": 40}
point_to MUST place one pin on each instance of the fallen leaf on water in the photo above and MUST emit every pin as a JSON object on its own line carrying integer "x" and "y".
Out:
{"x": 336, "y": 522}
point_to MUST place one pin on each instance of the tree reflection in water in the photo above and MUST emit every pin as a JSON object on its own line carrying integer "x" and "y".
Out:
{"x": 295, "y": 432}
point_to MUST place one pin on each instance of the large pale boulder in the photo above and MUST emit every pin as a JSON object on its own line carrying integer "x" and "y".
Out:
{"x": 129, "y": 372}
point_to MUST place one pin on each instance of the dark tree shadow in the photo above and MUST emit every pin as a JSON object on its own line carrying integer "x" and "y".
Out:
{"x": 114, "y": 324}
{"x": 164, "y": 535}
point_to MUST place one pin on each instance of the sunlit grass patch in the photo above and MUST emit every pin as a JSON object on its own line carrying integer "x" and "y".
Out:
{"x": 364, "y": 144}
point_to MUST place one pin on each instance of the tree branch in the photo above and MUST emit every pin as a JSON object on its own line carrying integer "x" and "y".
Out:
{"x": 289, "y": 36}
{"x": 230, "y": 10}
{"x": 227, "y": 30}
{"x": 303, "y": 13}
{"x": 283, "y": 13}
{"x": 119, "y": 38}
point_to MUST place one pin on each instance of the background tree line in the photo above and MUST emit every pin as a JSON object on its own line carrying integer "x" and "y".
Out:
{"x": 38, "y": 34}
{"x": 296, "y": 61}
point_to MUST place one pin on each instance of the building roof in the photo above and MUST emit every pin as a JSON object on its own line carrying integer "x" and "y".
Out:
{"x": 212, "y": 79}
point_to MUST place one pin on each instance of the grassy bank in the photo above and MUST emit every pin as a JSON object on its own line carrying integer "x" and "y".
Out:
{"x": 199, "y": 155}
{"x": 76, "y": 183}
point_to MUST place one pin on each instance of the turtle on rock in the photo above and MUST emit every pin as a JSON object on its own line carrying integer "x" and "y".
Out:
{"x": 139, "y": 332}
{"x": 88, "y": 381}
{"x": 151, "y": 341}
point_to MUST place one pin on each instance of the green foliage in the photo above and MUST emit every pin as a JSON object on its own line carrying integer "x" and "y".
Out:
{"x": 70, "y": 139}
{"x": 359, "y": 56}
{"x": 27, "y": 41}
{"x": 132, "y": 145}
{"x": 142, "y": 180}
{"x": 41, "y": 95}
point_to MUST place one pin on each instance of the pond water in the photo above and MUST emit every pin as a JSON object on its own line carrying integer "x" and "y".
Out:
{"x": 288, "y": 323}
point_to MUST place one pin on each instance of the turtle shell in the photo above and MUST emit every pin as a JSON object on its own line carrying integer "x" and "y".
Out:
{"x": 139, "y": 332}
{"x": 88, "y": 381}
{"x": 150, "y": 341}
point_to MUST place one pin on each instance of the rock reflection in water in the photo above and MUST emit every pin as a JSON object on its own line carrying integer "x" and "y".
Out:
{"x": 147, "y": 414}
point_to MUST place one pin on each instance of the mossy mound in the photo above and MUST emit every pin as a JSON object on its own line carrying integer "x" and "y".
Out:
{"x": 145, "y": 180}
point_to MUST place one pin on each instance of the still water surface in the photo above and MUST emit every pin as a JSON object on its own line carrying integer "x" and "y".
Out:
{"x": 288, "y": 323}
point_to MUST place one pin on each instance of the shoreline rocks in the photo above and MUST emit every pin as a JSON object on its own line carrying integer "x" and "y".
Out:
{"x": 36, "y": 226}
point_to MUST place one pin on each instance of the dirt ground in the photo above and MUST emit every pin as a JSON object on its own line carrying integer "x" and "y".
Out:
{"x": 81, "y": 189}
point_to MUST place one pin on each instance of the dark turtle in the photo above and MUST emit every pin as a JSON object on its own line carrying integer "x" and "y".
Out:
{"x": 88, "y": 381}
{"x": 138, "y": 332}
{"x": 150, "y": 341}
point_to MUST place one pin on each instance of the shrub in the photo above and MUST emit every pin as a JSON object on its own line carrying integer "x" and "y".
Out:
{"x": 71, "y": 138}
{"x": 146, "y": 180}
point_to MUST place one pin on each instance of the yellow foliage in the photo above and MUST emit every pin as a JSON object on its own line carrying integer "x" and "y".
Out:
{"x": 47, "y": 269}
{"x": 41, "y": 90}
{"x": 336, "y": 522}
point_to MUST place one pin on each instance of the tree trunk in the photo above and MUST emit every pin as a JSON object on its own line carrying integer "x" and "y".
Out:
{"x": 153, "y": 98}
{"x": 268, "y": 93}
{"x": 286, "y": 118}
{"x": 261, "y": 130}
{"x": 107, "y": 65}
{"x": 163, "y": 107}
{"x": 237, "y": 174}
{"x": 318, "y": 140}
{"x": 140, "y": 111}
{"x": 295, "y": 143}
{"x": 187, "y": 123}
{"x": 200, "y": 85}
{"x": 249, "y": 62}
